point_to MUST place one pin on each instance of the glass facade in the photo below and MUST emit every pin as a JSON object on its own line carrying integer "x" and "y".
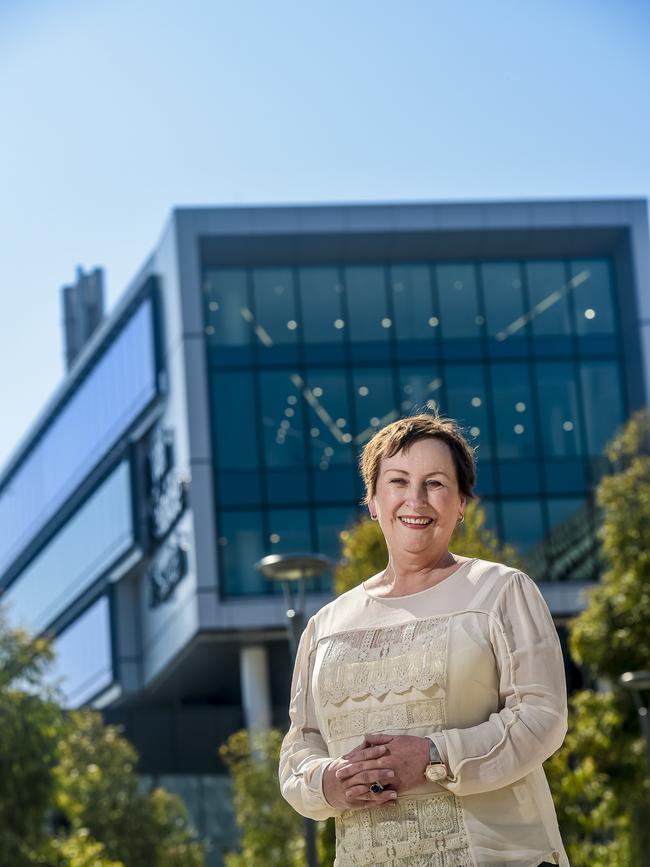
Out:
{"x": 109, "y": 399}
{"x": 79, "y": 674}
{"x": 306, "y": 363}
{"x": 94, "y": 538}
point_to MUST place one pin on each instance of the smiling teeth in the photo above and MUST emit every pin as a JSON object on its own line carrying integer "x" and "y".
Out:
{"x": 416, "y": 520}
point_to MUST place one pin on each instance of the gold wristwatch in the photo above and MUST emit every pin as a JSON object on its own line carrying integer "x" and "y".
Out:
{"x": 436, "y": 770}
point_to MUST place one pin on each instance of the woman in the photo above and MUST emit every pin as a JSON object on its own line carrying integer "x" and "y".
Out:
{"x": 425, "y": 700}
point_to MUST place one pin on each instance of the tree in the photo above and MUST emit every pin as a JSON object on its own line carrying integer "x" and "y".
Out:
{"x": 365, "y": 553}
{"x": 598, "y": 778}
{"x": 70, "y": 796}
{"x": 272, "y": 832}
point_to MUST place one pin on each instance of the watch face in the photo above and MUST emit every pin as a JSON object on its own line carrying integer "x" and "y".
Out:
{"x": 435, "y": 773}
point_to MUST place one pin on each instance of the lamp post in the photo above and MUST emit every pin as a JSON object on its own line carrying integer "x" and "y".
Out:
{"x": 638, "y": 683}
{"x": 291, "y": 571}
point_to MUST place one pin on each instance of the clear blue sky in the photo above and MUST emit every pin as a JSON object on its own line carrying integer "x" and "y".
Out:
{"x": 113, "y": 112}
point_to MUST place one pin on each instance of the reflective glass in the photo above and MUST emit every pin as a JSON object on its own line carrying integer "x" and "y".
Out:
{"x": 558, "y": 408}
{"x": 289, "y": 531}
{"x": 466, "y": 400}
{"x": 592, "y": 293}
{"x": 513, "y": 410}
{"x": 370, "y": 324}
{"x": 458, "y": 302}
{"x": 111, "y": 397}
{"x": 241, "y": 545}
{"x": 321, "y": 294}
{"x": 275, "y": 307}
{"x": 522, "y": 524}
{"x": 83, "y": 662}
{"x": 571, "y": 540}
{"x": 505, "y": 314}
{"x": 330, "y": 523}
{"x": 548, "y": 290}
{"x": 419, "y": 389}
{"x": 603, "y": 402}
{"x": 234, "y": 419}
{"x": 282, "y": 418}
{"x": 374, "y": 401}
{"x": 94, "y": 538}
{"x": 330, "y": 438}
{"x": 416, "y": 320}
{"x": 227, "y": 316}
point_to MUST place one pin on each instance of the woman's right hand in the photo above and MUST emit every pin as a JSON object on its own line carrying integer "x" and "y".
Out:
{"x": 335, "y": 789}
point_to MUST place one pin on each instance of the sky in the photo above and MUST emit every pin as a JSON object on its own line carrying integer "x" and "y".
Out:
{"x": 114, "y": 112}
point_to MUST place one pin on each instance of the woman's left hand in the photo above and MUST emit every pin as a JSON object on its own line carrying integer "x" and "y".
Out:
{"x": 406, "y": 755}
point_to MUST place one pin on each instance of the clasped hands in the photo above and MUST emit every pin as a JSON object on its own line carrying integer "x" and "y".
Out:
{"x": 397, "y": 762}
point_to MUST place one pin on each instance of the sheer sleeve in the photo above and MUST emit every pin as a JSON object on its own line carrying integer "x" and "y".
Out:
{"x": 532, "y": 721}
{"x": 304, "y": 754}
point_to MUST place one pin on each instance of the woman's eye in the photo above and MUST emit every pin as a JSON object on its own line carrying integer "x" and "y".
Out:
{"x": 434, "y": 483}
{"x": 398, "y": 481}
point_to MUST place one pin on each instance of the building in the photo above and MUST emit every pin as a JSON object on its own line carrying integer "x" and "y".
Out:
{"x": 215, "y": 417}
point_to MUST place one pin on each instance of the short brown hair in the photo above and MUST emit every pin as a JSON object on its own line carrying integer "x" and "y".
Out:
{"x": 399, "y": 435}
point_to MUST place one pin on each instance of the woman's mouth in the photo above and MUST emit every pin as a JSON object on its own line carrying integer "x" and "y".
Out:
{"x": 414, "y": 521}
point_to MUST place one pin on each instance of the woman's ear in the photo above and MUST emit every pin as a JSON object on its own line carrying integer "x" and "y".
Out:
{"x": 372, "y": 509}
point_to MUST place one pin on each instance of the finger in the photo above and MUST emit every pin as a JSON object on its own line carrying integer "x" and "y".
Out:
{"x": 359, "y": 754}
{"x": 367, "y": 778}
{"x": 378, "y": 739}
{"x": 355, "y": 768}
{"x": 365, "y": 800}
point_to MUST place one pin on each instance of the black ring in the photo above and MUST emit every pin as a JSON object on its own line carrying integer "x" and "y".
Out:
{"x": 376, "y": 788}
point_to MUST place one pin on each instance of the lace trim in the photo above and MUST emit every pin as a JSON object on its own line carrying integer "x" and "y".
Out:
{"x": 389, "y": 659}
{"x": 417, "y": 832}
{"x": 411, "y": 714}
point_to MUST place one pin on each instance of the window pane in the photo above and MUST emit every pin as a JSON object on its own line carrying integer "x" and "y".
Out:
{"x": 571, "y": 543}
{"x": 322, "y": 314}
{"x": 83, "y": 656}
{"x": 459, "y": 316}
{"x": 330, "y": 523}
{"x": 94, "y": 538}
{"x": 420, "y": 389}
{"x": 330, "y": 429}
{"x": 275, "y": 309}
{"x": 289, "y": 532}
{"x": 234, "y": 420}
{"x": 227, "y": 316}
{"x": 282, "y": 419}
{"x": 466, "y": 401}
{"x": 522, "y": 524}
{"x": 548, "y": 292}
{"x": 374, "y": 401}
{"x": 504, "y": 306}
{"x": 415, "y": 317}
{"x": 592, "y": 292}
{"x": 558, "y": 407}
{"x": 110, "y": 399}
{"x": 370, "y": 324}
{"x": 513, "y": 412}
{"x": 603, "y": 404}
{"x": 241, "y": 545}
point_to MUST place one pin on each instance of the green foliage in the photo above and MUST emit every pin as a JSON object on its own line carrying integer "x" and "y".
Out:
{"x": 70, "y": 796}
{"x": 365, "y": 553}
{"x": 29, "y": 726}
{"x": 272, "y": 832}
{"x": 99, "y": 790}
{"x": 599, "y": 777}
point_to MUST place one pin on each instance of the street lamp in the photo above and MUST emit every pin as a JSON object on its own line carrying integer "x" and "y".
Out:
{"x": 638, "y": 683}
{"x": 292, "y": 570}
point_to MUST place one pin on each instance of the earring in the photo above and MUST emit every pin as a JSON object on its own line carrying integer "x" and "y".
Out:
{"x": 374, "y": 517}
{"x": 461, "y": 518}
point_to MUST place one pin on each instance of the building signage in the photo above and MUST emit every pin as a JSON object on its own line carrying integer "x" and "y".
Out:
{"x": 168, "y": 489}
{"x": 167, "y": 570}
{"x": 168, "y": 497}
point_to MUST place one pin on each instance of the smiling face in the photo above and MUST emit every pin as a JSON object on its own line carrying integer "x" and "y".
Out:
{"x": 417, "y": 500}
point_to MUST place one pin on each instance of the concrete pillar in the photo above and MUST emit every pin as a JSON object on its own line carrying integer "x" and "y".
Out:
{"x": 255, "y": 686}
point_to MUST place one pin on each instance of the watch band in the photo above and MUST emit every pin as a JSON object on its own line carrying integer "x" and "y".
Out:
{"x": 434, "y": 755}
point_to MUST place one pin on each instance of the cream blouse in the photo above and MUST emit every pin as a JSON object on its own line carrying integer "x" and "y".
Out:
{"x": 473, "y": 661}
